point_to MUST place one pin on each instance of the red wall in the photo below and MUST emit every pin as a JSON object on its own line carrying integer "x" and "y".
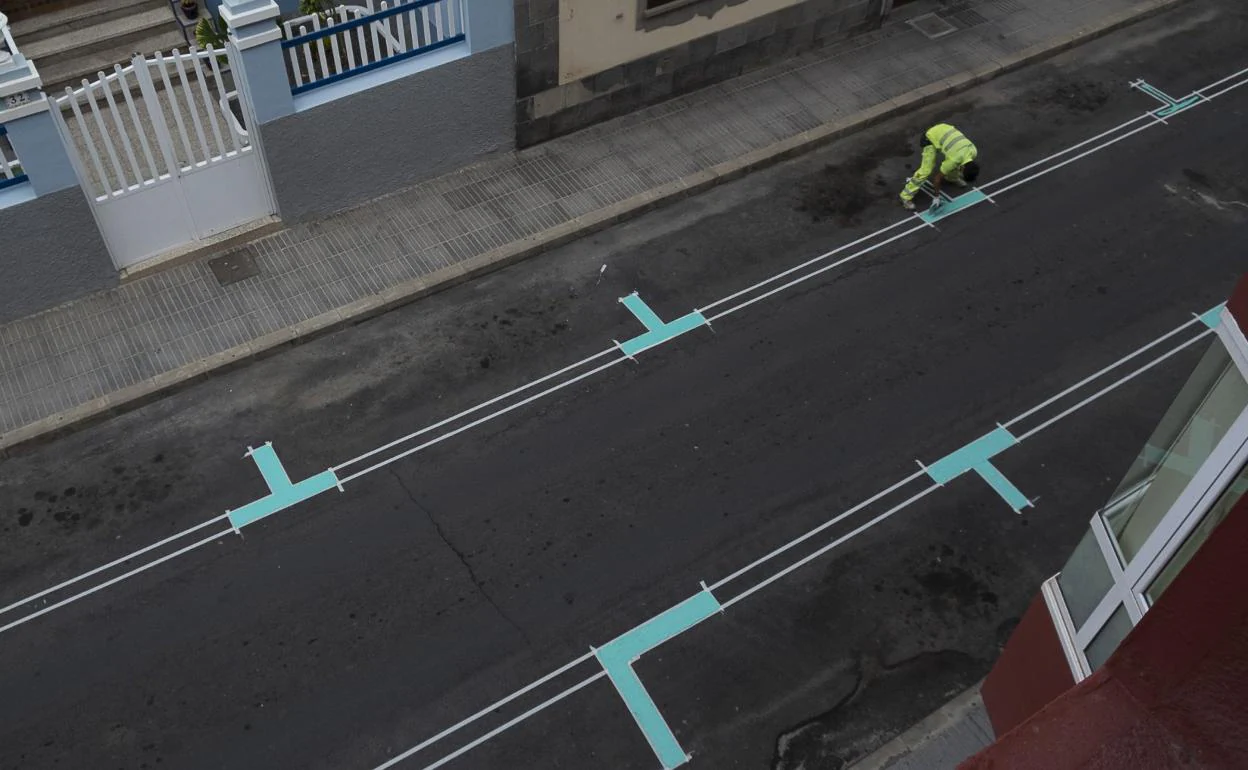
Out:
{"x": 1174, "y": 695}
{"x": 1031, "y": 671}
{"x": 1238, "y": 304}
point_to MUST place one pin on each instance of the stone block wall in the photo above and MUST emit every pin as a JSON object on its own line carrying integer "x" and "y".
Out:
{"x": 545, "y": 108}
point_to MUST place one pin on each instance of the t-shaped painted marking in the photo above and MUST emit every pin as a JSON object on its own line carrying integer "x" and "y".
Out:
{"x": 657, "y": 332}
{"x": 617, "y": 658}
{"x": 976, "y": 456}
{"x": 1180, "y": 106}
{"x": 282, "y": 493}
{"x": 1154, "y": 92}
{"x": 953, "y": 206}
{"x": 1171, "y": 106}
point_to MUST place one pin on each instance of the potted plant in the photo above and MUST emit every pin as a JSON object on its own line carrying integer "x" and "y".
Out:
{"x": 211, "y": 31}
{"x": 190, "y": 8}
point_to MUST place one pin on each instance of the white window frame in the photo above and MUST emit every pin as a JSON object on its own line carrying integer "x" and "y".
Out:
{"x": 1131, "y": 580}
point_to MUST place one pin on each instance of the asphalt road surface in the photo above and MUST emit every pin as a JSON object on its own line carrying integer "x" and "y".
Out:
{"x": 349, "y": 628}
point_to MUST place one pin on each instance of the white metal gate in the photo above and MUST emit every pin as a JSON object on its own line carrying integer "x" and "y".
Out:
{"x": 162, "y": 150}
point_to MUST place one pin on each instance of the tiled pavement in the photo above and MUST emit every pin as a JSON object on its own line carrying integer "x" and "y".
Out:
{"x": 87, "y": 356}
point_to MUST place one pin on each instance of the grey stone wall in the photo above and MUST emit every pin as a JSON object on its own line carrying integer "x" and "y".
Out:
{"x": 50, "y": 252}
{"x": 377, "y": 141}
{"x": 544, "y": 109}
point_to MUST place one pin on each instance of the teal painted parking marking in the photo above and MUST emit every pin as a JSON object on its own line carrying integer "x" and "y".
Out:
{"x": 1180, "y": 106}
{"x": 1170, "y": 105}
{"x": 282, "y": 492}
{"x": 1010, "y": 493}
{"x": 657, "y": 332}
{"x": 953, "y": 206}
{"x": 1156, "y": 93}
{"x": 1212, "y": 317}
{"x": 976, "y": 456}
{"x": 617, "y": 658}
{"x": 638, "y": 307}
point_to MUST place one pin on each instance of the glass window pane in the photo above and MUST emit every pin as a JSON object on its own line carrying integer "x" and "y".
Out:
{"x": 1111, "y": 635}
{"x": 1199, "y": 535}
{"x": 1085, "y": 579}
{"x": 1198, "y": 385}
{"x": 1206, "y": 417}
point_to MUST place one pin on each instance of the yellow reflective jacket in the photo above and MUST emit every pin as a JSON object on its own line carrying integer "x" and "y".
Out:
{"x": 952, "y": 144}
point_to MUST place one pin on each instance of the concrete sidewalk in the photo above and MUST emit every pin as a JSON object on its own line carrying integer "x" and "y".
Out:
{"x": 121, "y": 347}
{"x": 950, "y": 735}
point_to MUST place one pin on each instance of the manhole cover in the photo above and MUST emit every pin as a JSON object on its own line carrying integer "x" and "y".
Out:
{"x": 932, "y": 26}
{"x": 234, "y": 267}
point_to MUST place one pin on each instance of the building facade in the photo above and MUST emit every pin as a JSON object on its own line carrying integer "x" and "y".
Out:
{"x": 579, "y": 62}
{"x": 1153, "y": 589}
{"x": 305, "y": 109}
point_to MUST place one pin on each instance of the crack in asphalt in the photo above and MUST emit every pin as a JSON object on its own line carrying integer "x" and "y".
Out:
{"x": 463, "y": 559}
{"x": 785, "y": 742}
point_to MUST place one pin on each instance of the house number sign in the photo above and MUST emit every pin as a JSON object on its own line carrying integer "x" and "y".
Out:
{"x": 17, "y": 100}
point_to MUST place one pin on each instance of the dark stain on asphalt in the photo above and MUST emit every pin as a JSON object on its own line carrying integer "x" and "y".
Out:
{"x": 87, "y": 506}
{"x": 833, "y": 739}
{"x": 1197, "y": 177}
{"x": 954, "y": 585}
{"x": 1074, "y": 95}
{"x": 843, "y": 191}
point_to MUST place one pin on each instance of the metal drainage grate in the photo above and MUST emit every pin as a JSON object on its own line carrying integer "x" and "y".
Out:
{"x": 234, "y": 267}
{"x": 969, "y": 18}
{"x": 932, "y": 26}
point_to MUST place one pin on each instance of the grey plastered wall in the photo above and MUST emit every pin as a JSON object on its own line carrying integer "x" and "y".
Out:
{"x": 546, "y": 109}
{"x": 50, "y": 252}
{"x": 377, "y": 141}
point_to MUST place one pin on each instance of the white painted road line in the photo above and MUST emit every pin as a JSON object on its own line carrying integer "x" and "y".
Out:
{"x": 491, "y": 708}
{"x": 487, "y": 418}
{"x": 503, "y": 727}
{"x": 118, "y": 579}
{"x": 110, "y": 565}
{"x": 582, "y": 362}
{"x": 1115, "y": 384}
{"x": 904, "y": 504}
{"x": 475, "y": 409}
{"x": 855, "y": 509}
{"x": 1100, "y": 373}
{"x": 829, "y": 523}
{"x": 795, "y": 268}
{"x": 813, "y": 273}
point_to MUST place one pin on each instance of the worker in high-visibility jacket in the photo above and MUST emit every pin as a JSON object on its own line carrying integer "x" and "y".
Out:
{"x": 958, "y": 166}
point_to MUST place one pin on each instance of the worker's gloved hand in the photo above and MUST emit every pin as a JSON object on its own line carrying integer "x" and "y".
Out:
{"x": 936, "y": 204}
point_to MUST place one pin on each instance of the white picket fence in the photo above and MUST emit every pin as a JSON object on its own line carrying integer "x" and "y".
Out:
{"x": 10, "y": 168}
{"x": 351, "y": 39}
{"x": 153, "y": 118}
{"x": 162, "y": 152}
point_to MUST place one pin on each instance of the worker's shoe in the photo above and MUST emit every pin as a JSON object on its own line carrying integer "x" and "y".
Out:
{"x": 907, "y": 205}
{"x": 959, "y": 183}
